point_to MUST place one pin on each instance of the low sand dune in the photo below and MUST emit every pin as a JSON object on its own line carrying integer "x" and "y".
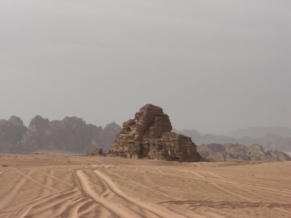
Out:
{"x": 45, "y": 186}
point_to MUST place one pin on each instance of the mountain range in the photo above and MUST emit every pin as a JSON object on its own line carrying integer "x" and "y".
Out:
{"x": 70, "y": 135}
{"x": 271, "y": 138}
{"x": 74, "y": 135}
{"x": 223, "y": 152}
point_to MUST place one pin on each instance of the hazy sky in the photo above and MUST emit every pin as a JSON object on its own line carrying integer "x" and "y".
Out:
{"x": 212, "y": 65}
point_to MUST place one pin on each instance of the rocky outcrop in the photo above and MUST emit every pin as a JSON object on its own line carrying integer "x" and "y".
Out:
{"x": 149, "y": 135}
{"x": 11, "y": 133}
{"x": 223, "y": 152}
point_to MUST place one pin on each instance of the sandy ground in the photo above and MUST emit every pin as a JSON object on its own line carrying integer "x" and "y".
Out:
{"x": 47, "y": 186}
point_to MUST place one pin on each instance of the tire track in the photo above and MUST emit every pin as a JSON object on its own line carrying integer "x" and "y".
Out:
{"x": 89, "y": 208}
{"x": 189, "y": 214}
{"x": 92, "y": 190}
{"x": 85, "y": 185}
{"x": 254, "y": 186}
{"x": 200, "y": 177}
{"x": 67, "y": 202}
{"x": 221, "y": 188}
{"x": 131, "y": 201}
{"x": 147, "y": 187}
{"x": 50, "y": 174}
{"x": 28, "y": 177}
{"x": 73, "y": 210}
{"x": 12, "y": 193}
{"x": 40, "y": 205}
{"x": 132, "y": 207}
{"x": 48, "y": 181}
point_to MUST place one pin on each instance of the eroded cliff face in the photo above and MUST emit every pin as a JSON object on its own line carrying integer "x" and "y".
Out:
{"x": 149, "y": 135}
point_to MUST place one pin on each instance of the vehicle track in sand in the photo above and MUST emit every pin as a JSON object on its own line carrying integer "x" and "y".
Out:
{"x": 150, "y": 189}
{"x": 114, "y": 187}
{"x": 39, "y": 207}
{"x": 231, "y": 188}
{"x": 87, "y": 188}
{"x": 12, "y": 193}
{"x": 50, "y": 178}
{"x": 69, "y": 202}
{"x": 35, "y": 181}
{"x": 250, "y": 188}
{"x": 111, "y": 201}
{"x": 218, "y": 184}
{"x": 143, "y": 208}
{"x": 57, "y": 200}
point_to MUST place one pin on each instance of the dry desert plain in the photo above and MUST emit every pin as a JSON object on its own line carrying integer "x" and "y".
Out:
{"x": 74, "y": 186}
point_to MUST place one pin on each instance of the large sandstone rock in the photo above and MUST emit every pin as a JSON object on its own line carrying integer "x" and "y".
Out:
{"x": 149, "y": 135}
{"x": 222, "y": 152}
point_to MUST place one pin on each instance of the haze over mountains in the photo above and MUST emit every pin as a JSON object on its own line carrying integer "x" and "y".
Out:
{"x": 74, "y": 135}
{"x": 272, "y": 138}
{"x": 259, "y": 132}
{"x": 70, "y": 135}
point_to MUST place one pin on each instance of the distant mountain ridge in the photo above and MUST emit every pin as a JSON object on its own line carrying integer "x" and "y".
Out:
{"x": 11, "y": 133}
{"x": 72, "y": 134}
{"x": 223, "y": 152}
{"x": 270, "y": 140}
{"x": 260, "y": 132}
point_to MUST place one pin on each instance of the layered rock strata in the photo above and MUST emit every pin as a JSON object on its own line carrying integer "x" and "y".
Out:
{"x": 149, "y": 135}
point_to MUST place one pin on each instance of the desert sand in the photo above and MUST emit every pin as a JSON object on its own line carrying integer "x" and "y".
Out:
{"x": 45, "y": 186}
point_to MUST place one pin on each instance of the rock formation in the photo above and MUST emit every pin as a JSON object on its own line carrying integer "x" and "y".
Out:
{"x": 70, "y": 135}
{"x": 106, "y": 137}
{"x": 11, "y": 132}
{"x": 149, "y": 135}
{"x": 222, "y": 152}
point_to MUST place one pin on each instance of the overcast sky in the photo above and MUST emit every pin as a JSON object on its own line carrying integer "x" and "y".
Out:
{"x": 212, "y": 65}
